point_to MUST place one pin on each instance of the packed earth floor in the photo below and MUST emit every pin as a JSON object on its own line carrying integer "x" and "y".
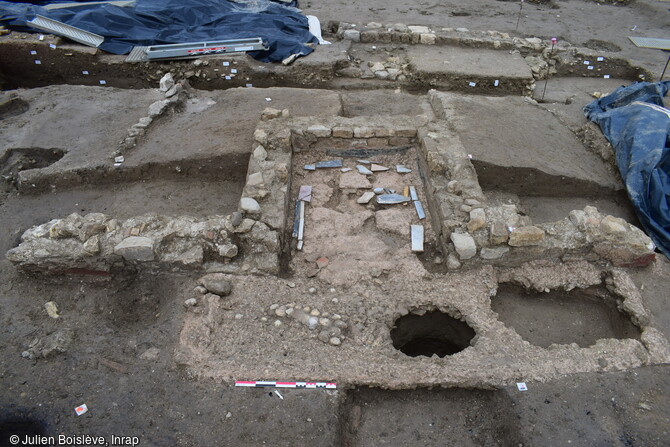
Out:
{"x": 418, "y": 212}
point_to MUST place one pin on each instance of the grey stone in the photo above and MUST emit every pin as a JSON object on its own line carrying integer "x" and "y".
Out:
{"x": 260, "y": 153}
{"x": 464, "y": 244}
{"x": 191, "y": 302}
{"x": 499, "y": 233}
{"x": 352, "y": 34}
{"x": 365, "y": 198}
{"x": 217, "y": 283}
{"x": 236, "y": 219}
{"x": 477, "y": 220}
{"x": 53, "y": 344}
{"x": 157, "y": 108}
{"x": 493, "y": 253}
{"x": 452, "y": 262}
{"x": 150, "y": 354}
{"x": 166, "y": 82}
{"x": 228, "y": 250}
{"x": 136, "y": 248}
{"x": 250, "y": 205}
{"x": 525, "y": 236}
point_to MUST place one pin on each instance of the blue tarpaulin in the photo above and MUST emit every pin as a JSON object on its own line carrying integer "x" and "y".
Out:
{"x": 637, "y": 124}
{"x": 156, "y": 22}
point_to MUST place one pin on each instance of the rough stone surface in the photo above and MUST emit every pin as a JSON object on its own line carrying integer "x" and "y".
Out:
{"x": 499, "y": 233}
{"x": 56, "y": 343}
{"x": 493, "y": 253}
{"x": 464, "y": 244}
{"x": 250, "y": 206}
{"x": 217, "y": 283}
{"x": 477, "y": 220}
{"x": 525, "y": 236}
{"x": 136, "y": 248}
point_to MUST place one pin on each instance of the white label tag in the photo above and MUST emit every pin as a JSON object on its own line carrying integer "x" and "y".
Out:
{"x": 600, "y": 59}
{"x": 496, "y": 83}
{"x": 472, "y": 84}
{"x": 233, "y": 70}
{"x": 244, "y": 48}
{"x": 606, "y": 76}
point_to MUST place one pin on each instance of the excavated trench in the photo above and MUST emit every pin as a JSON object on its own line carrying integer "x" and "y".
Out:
{"x": 581, "y": 316}
{"x": 549, "y": 198}
{"x": 456, "y": 416}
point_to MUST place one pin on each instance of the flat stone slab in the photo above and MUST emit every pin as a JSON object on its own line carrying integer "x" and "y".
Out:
{"x": 468, "y": 63}
{"x": 510, "y": 132}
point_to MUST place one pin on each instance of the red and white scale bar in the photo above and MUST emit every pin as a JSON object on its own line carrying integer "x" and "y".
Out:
{"x": 274, "y": 384}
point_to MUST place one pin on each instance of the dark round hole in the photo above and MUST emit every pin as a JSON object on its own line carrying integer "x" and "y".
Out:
{"x": 429, "y": 334}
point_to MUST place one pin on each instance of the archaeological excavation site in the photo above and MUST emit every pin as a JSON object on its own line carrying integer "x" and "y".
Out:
{"x": 271, "y": 222}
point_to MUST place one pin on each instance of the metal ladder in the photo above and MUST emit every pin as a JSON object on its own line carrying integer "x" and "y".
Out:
{"x": 194, "y": 49}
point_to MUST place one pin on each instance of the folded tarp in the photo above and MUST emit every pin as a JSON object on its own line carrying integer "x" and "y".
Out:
{"x": 156, "y": 22}
{"x": 637, "y": 124}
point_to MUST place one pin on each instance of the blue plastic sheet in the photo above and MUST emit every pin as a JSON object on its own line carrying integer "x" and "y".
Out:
{"x": 156, "y": 22}
{"x": 637, "y": 125}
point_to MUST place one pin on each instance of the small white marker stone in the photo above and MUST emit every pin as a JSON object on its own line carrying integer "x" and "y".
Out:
{"x": 470, "y": 156}
{"x": 233, "y": 70}
{"x": 225, "y": 64}
{"x": 33, "y": 52}
{"x": 116, "y": 165}
{"x": 38, "y": 62}
{"x": 345, "y": 169}
{"x": 606, "y": 76}
{"x": 590, "y": 67}
{"x": 587, "y": 62}
{"x": 268, "y": 99}
{"x": 81, "y": 409}
{"x": 412, "y": 193}
{"x": 496, "y": 83}
{"x": 84, "y": 72}
{"x": 103, "y": 82}
{"x": 600, "y": 59}
{"x": 119, "y": 159}
{"x": 472, "y": 84}
{"x": 41, "y": 37}
{"x": 417, "y": 238}
{"x": 522, "y": 386}
{"x": 374, "y": 47}
{"x": 228, "y": 78}
{"x": 249, "y": 85}
{"x": 52, "y": 46}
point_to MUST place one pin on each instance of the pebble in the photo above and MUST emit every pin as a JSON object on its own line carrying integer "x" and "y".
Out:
{"x": 291, "y": 285}
{"x": 236, "y": 219}
{"x": 238, "y": 316}
{"x": 274, "y": 306}
{"x": 337, "y": 317}
{"x": 289, "y": 311}
{"x": 335, "y": 300}
{"x": 312, "y": 290}
{"x": 324, "y": 321}
{"x": 280, "y": 311}
{"x": 315, "y": 313}
{"x": 264, "y": 319}
{"x": 335, "y": 341}
{"x": 332, "y": 290}
{"x": 340, "y": 324}
{"x": 277, "y": 323}
{"x": 190, "y": 302}
{"x": 312, "y": 322}
{"x": 229, "y": 414}
{"x": 201, "y": 290}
